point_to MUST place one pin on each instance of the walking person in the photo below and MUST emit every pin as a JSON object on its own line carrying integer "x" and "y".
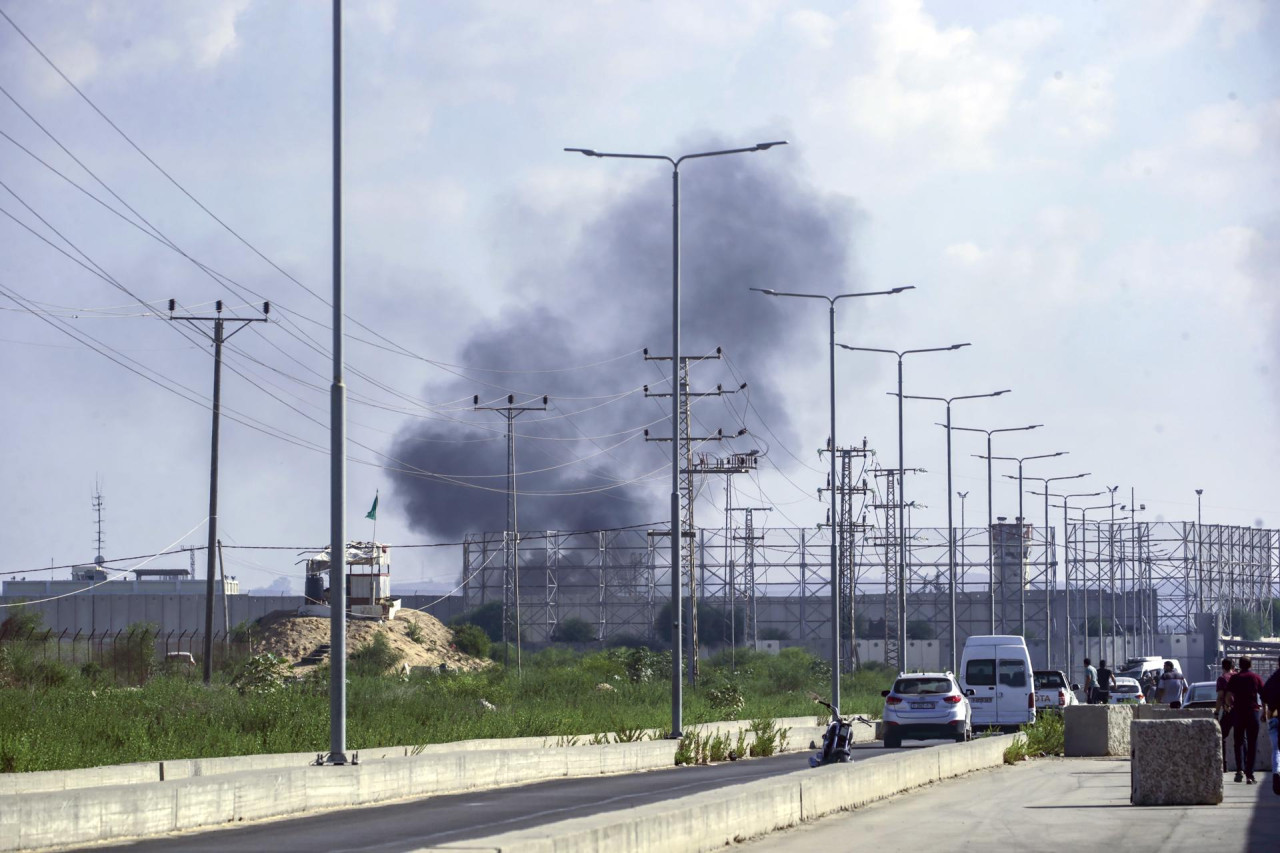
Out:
{"x": 1222, "y": 708}
{"x": 1244, "y": 688}
{"x": 1172, "y": 687}
{"x": 1090, "y": 683}
{"x": 1271, "y": 699}
{"x": 1106, "y": 680}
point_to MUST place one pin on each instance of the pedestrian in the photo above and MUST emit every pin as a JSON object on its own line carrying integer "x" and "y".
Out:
{"x": 1172, "y": 686}
{"x": 1222, "y": 708}
{"x": 1149, "y": 683}
{"x": 1090, "y": 682}
{"x": 1106, "y": 680}
{"x": 1271, "y": 698}
{"x": 1244, "y": 688}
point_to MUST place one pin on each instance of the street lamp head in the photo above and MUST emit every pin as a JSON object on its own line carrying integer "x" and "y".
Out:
{"x": 765, "y": 290}
{"x": 765, "y": 146}
{"x": 958, "y": 346}
{"x": 1199, "y": 491}
{"x": 900, "y": 289}
{"x": 587, "y": 151}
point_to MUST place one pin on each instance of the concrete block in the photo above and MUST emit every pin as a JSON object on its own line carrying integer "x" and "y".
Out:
{"x": 1164, "y": 712}
{"x": 1175, "y": 763}
{"x": 1097, "y": 730}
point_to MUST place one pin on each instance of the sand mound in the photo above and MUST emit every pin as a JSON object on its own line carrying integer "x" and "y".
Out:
{"x": 296, "y": 638}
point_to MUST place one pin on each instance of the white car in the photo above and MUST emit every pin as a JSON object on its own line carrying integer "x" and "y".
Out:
{"x": 1127, "y": 692}
{"x": 925, "y": 705}
{"x": 1053, "y": 693}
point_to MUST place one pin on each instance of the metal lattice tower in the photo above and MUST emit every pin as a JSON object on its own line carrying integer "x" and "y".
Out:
{"x": 688, "y": 543}
{"x": 851, "y": 488}
{"x": 747, "y": 592}
{"x": 888, "y": 539}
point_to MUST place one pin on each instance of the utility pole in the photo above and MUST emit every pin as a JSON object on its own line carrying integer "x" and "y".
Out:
{"x": 749, "y": 538}
{"x": 687, "y": 549}
{"x": 844, "y": 530}
{"x": 511, "y": 572}
{"x": 219, "y": 337}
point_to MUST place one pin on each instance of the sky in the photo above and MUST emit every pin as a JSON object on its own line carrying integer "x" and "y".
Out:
{"x": 1086, "y": 193}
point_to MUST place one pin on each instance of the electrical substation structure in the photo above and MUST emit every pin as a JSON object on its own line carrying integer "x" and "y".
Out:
{"x": 1176, "y": 605}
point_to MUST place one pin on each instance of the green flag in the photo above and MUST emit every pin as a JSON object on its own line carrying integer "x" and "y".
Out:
{"x": 372, "y": 514}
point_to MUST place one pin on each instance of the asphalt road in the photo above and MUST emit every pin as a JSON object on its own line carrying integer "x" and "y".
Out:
{"x": 436, "y": 820}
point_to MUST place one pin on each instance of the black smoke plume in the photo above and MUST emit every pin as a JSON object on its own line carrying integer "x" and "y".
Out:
{"x": 745, "y": 223}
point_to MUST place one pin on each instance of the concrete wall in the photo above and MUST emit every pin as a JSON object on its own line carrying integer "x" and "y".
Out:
{"x": 90, "y": 613}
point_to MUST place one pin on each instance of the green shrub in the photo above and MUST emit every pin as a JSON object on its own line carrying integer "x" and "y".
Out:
{"x": 21, "y": 623}
{"x": 414, "y": 632}
{"x": 769, "y": 739}
{"x": 471, "y": 640}
{"x": 1046, "y": 735}
{"x": 260, "y": 674}
{"x": 726, "y": 700}
{"x": 376, "y": 657}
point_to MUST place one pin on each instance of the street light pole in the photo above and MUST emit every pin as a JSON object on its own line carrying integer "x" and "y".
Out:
{"x": 1022, "y": 581}
{"x": 991, "y": 573}
{"x": 677, "y": 664}
{"x": 902, "y": 490}
{"x": 1051, "y": 580}
{"x": 951, "y": 530}
{"x": 1199, "y": 557}
{"x": 1068, "y": 650}
{"x": 831, "y": 377}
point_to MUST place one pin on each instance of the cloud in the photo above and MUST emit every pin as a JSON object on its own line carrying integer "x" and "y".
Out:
{"x": 1222, "y": 151}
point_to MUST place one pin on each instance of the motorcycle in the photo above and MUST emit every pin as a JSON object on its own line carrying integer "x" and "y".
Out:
{"x": 837, "y": 740}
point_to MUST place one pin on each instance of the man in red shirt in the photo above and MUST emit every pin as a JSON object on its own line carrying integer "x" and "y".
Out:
{"x": 1244, "y": 688}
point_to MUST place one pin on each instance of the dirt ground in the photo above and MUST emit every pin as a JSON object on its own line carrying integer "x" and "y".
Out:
{"x": 294, "y": 637}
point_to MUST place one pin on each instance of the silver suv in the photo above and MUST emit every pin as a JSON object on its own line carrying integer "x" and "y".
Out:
{"x": 925, "y": 705}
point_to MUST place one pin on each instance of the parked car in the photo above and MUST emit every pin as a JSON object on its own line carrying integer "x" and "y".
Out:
{"x": 1053, "y": 693}
{"x": 995, "y": 672}
{"x": 1202, "y": 694}
{"x": 1127, "y": 692}
{"x": 924, "y": 705}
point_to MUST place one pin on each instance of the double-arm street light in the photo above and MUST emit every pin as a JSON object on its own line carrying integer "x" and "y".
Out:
{"x": 1051, "y": 580}
{"x": 676, "y": 400}
{"x": 831, "y": 376}
{"x": 902, "y": 490}
{"x": 1067, "y": 655}
{"x": 991, "y": 566}
{"x": 1022, "y": 586}
{"x": 1084, "y": 520}
{"x": 951, "y": 529}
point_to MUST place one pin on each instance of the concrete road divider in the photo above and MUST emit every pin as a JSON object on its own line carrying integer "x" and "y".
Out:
{"x": 802, "y": 730}
{"x": 83, "y": 806}
{"x": 712, "y": 819}
{"x": 1097, "y": 730}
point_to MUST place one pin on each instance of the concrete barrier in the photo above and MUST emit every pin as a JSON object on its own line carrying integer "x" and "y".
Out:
{"x": 213, "y": 794}
{"x": 1097, "y": 730}
{"x": 1176, "y": 762}
{"x": 803, "y": 729}
{"x": 713, "y": 819}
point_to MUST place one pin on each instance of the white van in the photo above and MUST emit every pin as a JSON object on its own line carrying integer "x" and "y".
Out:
{"x": 995, "y": 673}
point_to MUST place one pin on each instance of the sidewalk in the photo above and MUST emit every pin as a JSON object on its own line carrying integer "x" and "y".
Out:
{"x": 1048, "y": 803}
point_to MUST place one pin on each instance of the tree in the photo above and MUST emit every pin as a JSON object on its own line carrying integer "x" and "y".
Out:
{"x": 487, "y": 617}
{"x": 573, "y": 630}
{"x": 920, "y": 629}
